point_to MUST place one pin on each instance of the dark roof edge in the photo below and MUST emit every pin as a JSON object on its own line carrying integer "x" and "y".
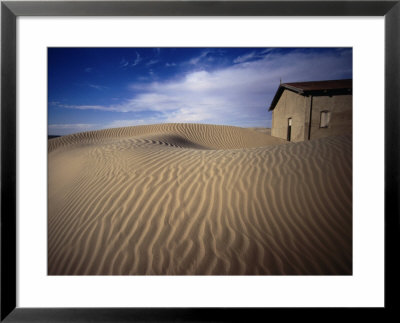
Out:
{"x": 284, "y": 86}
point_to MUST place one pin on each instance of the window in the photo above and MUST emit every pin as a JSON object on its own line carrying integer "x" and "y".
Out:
{"x": 325, "y": 118}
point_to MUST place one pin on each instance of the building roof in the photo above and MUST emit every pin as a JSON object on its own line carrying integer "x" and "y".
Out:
{"x": 314, "y": 88}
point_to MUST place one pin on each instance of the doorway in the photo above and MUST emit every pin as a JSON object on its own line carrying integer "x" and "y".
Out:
{"x": 289, "y": 129}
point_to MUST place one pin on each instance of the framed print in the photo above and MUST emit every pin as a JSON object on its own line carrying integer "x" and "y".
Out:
{"x": 198, "y": 160}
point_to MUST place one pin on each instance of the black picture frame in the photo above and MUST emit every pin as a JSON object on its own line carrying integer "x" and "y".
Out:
{"x": 10, "y": 10}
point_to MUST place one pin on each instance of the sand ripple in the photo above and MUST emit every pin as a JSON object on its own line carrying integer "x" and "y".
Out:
{"x": 177, "y": 199}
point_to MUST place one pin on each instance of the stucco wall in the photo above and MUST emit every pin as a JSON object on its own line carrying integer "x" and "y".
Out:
{"x": 297, "y": 107}
{"x": 290, "y": 105}
{"x": 341, "y": 117}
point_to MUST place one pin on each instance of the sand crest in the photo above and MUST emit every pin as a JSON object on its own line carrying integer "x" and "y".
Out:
{"x": 192, "y": 199}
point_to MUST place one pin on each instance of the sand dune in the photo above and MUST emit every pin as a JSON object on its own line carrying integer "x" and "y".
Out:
{"x": 178, "y": 199}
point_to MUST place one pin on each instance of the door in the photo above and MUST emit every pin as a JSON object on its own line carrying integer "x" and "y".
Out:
{"x": 289, "y": 129}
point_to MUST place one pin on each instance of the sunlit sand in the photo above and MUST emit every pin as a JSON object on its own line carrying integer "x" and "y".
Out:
{"x": 193, "y": 199}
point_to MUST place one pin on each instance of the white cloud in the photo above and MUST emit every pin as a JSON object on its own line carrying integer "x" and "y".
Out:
{"x": 131, "y": 122}
{"x": 152, "y": 62}
{"x": 123, "y": 63}
{"x": 98, "y": 87}
{"x": 253, "y": 55}
{"x": 71, "y": 125}
{"x": 64, "y": 129}
{"x": 245, "y": 58}
{"x": 196, "y": 60}
{"x": 91, "y": 107}
{"x": 237, "y": 95}
{"x": 137, "y": 60}
{"x": 267, "y": 50}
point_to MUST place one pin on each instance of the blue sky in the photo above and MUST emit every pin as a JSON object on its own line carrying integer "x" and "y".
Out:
{"x": 98, "y": 88}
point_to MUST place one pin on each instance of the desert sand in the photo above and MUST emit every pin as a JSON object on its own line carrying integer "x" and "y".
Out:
{"x": 191, "y": 199}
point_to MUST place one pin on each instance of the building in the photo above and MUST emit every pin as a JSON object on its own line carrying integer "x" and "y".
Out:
{"x": 309, "y": 110}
